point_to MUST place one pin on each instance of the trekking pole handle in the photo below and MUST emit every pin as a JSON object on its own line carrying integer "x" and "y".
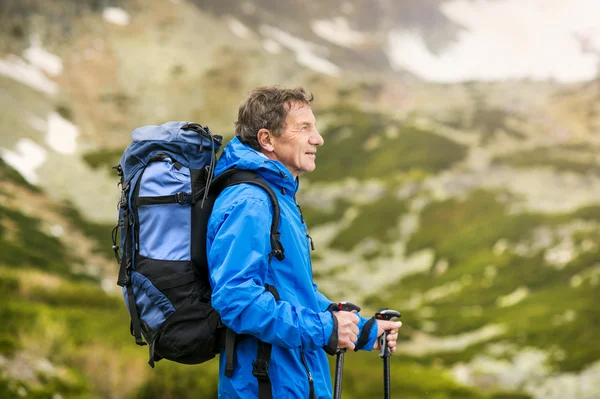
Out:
{"x": 386, "y": 314}
{"x": 347, "y": 307}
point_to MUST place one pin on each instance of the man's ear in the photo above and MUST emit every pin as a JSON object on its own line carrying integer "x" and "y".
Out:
{"x": 265, "y": 140}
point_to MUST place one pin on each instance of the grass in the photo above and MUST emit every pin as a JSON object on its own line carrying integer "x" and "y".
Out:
{"x": 315, "y": 216}
{"x": 81, "y": 329}
{"x": 24, "y": 244}
{"x": 104, "y": 158}
{"x": 485, "y": 119}
{"x": 363, "y": 378}
{"x": 99, "y": 233}
{"x": 376, "y": 220}
{"x": 394, "y": 147}
{"x": 9, "y": 174}
{"x": 464, "y": 233}
{"x": 550, "y": 157}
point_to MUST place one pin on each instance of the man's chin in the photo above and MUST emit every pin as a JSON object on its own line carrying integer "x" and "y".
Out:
{"x": 310, "y": 168}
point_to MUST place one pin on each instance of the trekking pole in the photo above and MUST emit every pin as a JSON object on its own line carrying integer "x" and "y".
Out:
{"x": 339, "y": 362}
{"x": 386, "y": 314}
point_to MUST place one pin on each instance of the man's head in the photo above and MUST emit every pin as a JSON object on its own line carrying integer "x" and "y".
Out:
{"x": 280, "y": 124}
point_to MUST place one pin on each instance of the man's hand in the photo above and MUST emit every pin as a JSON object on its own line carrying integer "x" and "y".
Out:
{"x": 347, "y": 329}
{"x": 392, "y": 327}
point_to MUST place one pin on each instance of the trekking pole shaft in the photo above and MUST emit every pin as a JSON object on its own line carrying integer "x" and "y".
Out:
{"x": 386, "y": 377}
{"x": 339, "y": 369}
{"x": 386, "y": 352}
{"x": 339, "y": 363}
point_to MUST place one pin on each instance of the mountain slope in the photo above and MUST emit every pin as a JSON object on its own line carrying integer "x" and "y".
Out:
{"x": 472, "y": 207}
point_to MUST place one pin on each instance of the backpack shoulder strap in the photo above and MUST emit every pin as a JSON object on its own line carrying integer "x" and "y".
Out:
{"x": 260, "y": 367}
{"x": 233, "y": 177}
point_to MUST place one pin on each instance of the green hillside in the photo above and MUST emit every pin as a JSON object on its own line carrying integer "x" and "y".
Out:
{"x": 472, "y": 208}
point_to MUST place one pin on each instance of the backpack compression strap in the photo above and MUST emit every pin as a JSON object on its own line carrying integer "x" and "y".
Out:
{"x": 260, "y": 366}
{"x": 124, "y": 279}
{"x": 232, "y": 177}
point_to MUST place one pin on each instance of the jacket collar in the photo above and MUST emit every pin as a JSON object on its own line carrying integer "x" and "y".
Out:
{"x": 241, "y": 156}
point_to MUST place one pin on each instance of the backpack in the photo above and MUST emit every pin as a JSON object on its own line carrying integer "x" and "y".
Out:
{"x": 167, "y": 195}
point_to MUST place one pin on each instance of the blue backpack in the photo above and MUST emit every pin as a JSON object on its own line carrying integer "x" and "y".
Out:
{"x": 167, "y": 194}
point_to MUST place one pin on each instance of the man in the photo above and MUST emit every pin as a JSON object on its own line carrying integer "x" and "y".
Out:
{"x": 276, "y": 136}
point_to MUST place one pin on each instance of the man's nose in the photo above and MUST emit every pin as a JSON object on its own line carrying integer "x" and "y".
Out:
{"x": 317, "y": 139}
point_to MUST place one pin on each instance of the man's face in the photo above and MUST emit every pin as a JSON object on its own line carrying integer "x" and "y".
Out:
{"x": 296, "y": 148}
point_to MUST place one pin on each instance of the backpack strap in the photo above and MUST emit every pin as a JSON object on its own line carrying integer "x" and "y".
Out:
{"x": 260, "y": 367}
{"x": 232, "y": 177}
{"x": 129, "y": 219}
{"x": 182, "y": 198}
{"x": 124, "y": 280}
{"x": 231, "y": 339}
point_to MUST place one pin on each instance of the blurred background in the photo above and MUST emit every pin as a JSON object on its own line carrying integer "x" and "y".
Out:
{"x": 459, "y": 182}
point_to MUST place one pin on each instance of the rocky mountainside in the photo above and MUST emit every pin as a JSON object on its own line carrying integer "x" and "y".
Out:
{"x": 473, "y": 207}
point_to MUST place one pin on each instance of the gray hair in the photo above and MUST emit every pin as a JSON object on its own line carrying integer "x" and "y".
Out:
{"x": 266, "y": 107}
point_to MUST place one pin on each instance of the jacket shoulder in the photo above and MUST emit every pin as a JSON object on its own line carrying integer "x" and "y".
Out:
{"x": 243, "y": 195}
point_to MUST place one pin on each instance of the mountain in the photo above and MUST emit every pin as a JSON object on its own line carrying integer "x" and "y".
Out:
{"x": 469, "y": 205}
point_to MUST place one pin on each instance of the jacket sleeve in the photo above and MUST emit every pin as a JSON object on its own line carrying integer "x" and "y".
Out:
{"x": 325, "y": 303}
{"x": 238, "y": 265}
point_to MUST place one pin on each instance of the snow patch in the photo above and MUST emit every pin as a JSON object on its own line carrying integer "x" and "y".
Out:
{"x": 305, "y": 51}
{"x": 57, "y": 230}
{"x": 532, "y": 185}
{"x": 528, "y": 370}
{"x": 272, "y": 46}
{"x": 62, "y": 134}
{"x": 338, "y": 31}
{"x": 27, "y": 157}
{"x": 422, "y": 343}
{"x": 513, "y": 298}
{"x": 42, "y": 59}
{"x": 116, "y": 15}
{"x": 18, "y": 69}
{"x": 512, "y": 39}
{"x": 239, "y": 29}
{"x": 31, "y": 70}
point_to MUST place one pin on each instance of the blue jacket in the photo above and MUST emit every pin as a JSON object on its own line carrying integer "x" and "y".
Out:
{"x": 237, "y": 247}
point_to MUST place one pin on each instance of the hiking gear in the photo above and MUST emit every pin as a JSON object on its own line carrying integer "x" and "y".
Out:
{"x": 167, "y": 194}
{"x": 299, "y": 325}
{"x": 339, "y": 362}
{"x": 386, "y": 314}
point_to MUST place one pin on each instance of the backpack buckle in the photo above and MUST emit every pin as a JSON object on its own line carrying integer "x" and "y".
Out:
{"x": 183, "y": 198}
{"x": 260, "y": 370}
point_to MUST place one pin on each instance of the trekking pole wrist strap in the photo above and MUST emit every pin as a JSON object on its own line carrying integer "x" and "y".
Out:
{"x": 332, "y": 345}
{"x": 363, "y": 338}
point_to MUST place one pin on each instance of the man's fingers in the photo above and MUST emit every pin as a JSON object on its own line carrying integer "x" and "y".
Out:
{"x": 347, "y": 329}
{"x": 390, "y": 325}
{"x": 346, "y": 343}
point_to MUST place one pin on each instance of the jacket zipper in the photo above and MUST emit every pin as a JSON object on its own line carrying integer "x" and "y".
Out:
{"x": 312, "y": 244}
{"x": 303, "y": 358}
{"x": 310, "y": 379}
